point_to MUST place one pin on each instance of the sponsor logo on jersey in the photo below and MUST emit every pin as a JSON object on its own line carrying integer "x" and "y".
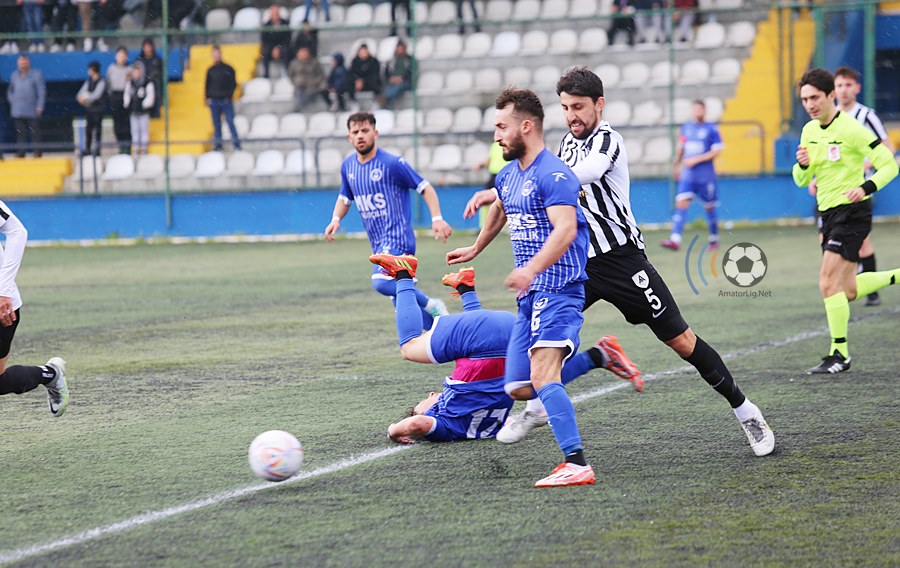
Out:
{"x": 371, "y": 205}
{"x": 558, "y": 176}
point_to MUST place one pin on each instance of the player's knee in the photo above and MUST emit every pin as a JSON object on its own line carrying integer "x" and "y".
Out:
{"x": 684, "y": 343}
{"x": 384, "y": 287}
{"x": 522, "y": 393}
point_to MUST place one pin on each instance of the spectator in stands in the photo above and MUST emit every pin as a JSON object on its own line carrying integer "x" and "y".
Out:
{"x": 139, "y": 98}
{"x": 339, "y": 84}
{"x": 405, "y": 5}
{"x": 648, "y": 20}
{"x": 308, "y": 37}
{"x": 459, "y": 16}
{"x": 106, "y": 18}
{"x": 33, "y": 12}
{"x": 27, "y": 94}
{"x": 276, "y": 40}
{"x": 366, "y": 73}
{"x": 10, "y": 11}
{"x": 684, "y": 16}
{"x": 398, "y": 74}
{"x": 91, "y": 97}
{"x": 323, "y": 3}
{"x": 87, "y": 9}
{"x": 65, "y": 18}
{"x": 152, "y": 72}
{"x": 117, "y": 76}
{"x": 220, "y": 86}
{"x": 307, "y": 76}
{"x": 623, "y": 10}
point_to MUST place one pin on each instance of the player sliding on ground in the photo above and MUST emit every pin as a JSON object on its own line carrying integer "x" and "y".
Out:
{"x": 473, "y": 403}
{"x": 833, "y": 148}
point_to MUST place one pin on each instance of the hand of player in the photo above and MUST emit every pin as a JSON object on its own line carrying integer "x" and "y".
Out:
{"x": 441, "y": 229}
{"x": 480, "y": 199}
{"x": 813, "y": 187}
{"x": 802, "y": 156}
{"x": 519, "y": 281}
{"x": 855, "y": 195}
{"x": 462, "y": 254}
{"x": 331, "y": 230}
{"x": 676, "y": 171}
{"x": 689, "y": 162}
{"x": 7, "y": 314}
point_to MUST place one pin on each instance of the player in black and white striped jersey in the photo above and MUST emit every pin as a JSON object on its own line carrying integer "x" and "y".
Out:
{"x": 617, "y": 267}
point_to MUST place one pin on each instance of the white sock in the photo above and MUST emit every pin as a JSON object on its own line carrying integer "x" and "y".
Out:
{"x": 535, "y": 405}
{"x": 746, "y": 411}
{"x": 675, "y": 238}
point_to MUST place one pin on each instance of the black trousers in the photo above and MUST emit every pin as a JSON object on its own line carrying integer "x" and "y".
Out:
{"x": 121, "y": 121}
{"x": 93, "y": 133}
{"x": 28, "y": 128}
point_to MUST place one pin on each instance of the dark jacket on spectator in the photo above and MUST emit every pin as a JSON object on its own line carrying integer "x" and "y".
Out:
{"x": 339, "y": 78}
{"x": 305, "y": 38}
{"x": 140, "y": 95}
{"x": 94, "y": 91}
{"x": 399, "y": 67}
{"x": 369, "y": 71}
{"x": 220, "y": 81}
{"x": 307, "y": 75}
{"x": 272, "y": 39}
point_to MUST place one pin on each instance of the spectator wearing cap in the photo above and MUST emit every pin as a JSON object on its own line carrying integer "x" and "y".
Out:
{"x": 91, "y": 97}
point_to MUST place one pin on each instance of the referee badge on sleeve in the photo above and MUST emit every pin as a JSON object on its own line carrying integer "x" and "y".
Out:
{"x": 834, "y": 153}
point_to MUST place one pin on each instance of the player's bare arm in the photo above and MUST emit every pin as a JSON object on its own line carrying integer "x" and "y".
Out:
{"x": 565, "y": 228}
{"x": 440, "y": 228}
{"x": 407, "y": 430}
{"x": 479, "y": 200}
{"x": 704, "y": 157}
{"x": 340, "y": 210}
{"x": 496, "y": 219}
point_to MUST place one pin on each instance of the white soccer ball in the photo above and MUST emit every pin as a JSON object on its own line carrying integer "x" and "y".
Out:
{"x": 275, "y": 455}
{"x": 744, "y": 264}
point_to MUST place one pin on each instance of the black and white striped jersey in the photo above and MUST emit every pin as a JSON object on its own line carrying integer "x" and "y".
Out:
{"x": 869, "y": 119}
{"x": 601, "y": 164}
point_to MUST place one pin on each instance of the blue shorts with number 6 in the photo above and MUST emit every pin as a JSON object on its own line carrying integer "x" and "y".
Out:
{"x": 546, "y": 319}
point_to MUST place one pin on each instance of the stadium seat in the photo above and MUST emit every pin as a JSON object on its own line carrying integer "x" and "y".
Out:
{"x": 446, "y": 157}
{"x": 593, "y": 40}
{"x": 419, "y": 157}
{"x": 609, "y": 73}
{"x": 474, "y": 154}
{"x": 256, "y": 90}
{"x": 658, "y": 151}
{"x": 371, "y": 42}
{"x": 647, "y": 113}
{"x": 694, "y": 72}
{"x": 320, "y": 124}
{"x": 635, "y": 75}
{"x": 714, "y": 108}
{"x": 487, "y": 119}
{"x": 634, "y": 149}
{"x": 438, "y": 119}
{"x": 152, "y": 166}
{"x": 422, "y": 48}
{"x": 403, "y": 121}
{"x": 282, "y": 90}
{"x": 617, "y": 113}
{"x": 386, "y": 48}
{"x": 340, "y": 124}
{"x": 741, "y": 34}
{"x": 298, "y": 162}
{"x": 381, "y": 14}
{"x": 384, "y": 120}
{"x": 498, "y": 10}
{"x": 210, "y": 165}
{"x": 441, "y": 12}
{"x": 729, "y": 4}
{"x": 546, "y": 78}
{"x": 330, "y": 160}
{"x": 554, "y": 118}
{"x": 477, "y": 44}
{"x": 422, "y": 13}
{"x": 563, "y": 42}
{"x": 725, "y": 70}
{"x": 266, "y": 15}
{"x": 239, "y": 163}
{"x": 218, "y": 19}
{"x": 292, "y": 125}
{"x": 710, "y": 35}
{"x": 466, "y": 119}
{"x": 247, "y": 18}
{"x": 241, "y": 124}
{"x": 263, "y": 126}
{"x": 120, "y": 166}
{"x": 519, "y": 76}
{"x": 430, "y": 83}
{"x": 682, "y": 111}
{"x": 359, "y": 14}
{"x": 554, "y": 9}
{"x": 269, "y": 163}
{"x": 447, "y": 46}
{"x": 488, "y": 80}
{"x": 663, "y": 73}
{"x": 506, "y": 44}
{"x": 297, "y": 16}
{"x": 180, "y": 166}
{"x": 526, "y": 10}
{"x": 535, "y": 42}
{"x": 459, "y": 81}
{"x": 582, "y": 9}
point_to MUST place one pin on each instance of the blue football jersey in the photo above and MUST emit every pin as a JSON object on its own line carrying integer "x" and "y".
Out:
{"x": 699, "y": 138}
{"x": 526, "y": 195}
{"x": 475, "y": 334}
{"x": 380, "y": 189}
{"x": 469, "y": 410}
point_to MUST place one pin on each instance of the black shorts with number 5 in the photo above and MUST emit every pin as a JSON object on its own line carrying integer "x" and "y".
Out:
{"x": 626, "y": 279}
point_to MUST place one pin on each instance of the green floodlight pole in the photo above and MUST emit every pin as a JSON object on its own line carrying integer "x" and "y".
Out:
{"x": 670, "y": 17}
{"x": 165, "y": 108}
{"x": 413, "y": 37}
{"x": 869, "y": 10}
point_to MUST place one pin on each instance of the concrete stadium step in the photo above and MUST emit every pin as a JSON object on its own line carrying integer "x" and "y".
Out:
{"x": 34, "y": 176}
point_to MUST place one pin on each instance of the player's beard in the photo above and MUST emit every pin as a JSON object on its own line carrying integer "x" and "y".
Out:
{"x": 366, "y": 150}
{"x": 515, "y": 148}
{"x": 587, "y": 129}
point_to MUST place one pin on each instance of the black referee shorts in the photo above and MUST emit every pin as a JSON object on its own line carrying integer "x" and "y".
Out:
{"x": 626, "y": 279}
{"x": 845, "y": 227}
{"x": 6, "y": 336}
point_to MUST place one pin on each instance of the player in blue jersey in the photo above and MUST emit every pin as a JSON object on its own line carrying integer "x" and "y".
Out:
{"x": 379, "y": 183}
{"x": 473, "y": 402}
{"x": 698, "y": 145}
{"x": 539, "y": 201}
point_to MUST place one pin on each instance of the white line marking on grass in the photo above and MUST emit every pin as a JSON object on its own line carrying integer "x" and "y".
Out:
{"x": 23, "y": 553}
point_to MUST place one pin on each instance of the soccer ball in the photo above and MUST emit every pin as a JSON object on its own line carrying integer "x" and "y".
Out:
{"x": 275, "y": 455}
{"x": 744, "y": 265}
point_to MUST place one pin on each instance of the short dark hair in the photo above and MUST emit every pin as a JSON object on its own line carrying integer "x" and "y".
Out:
{"x": 524, "y": 102}
{"x": 818, "y": 78}
{"x": 700, "y": 102}
{"x": 848, "y": 72}
{"x": 122, "y": 48}
{"x": 94, "y": 66}
{"x": 580, "y": 82}
{"x": 361, "y": 117}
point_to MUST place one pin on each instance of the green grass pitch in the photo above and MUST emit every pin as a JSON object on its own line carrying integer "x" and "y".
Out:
{"x": 180, "y": 354}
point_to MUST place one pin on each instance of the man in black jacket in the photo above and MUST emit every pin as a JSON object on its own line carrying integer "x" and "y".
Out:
{"x": 366, "y": 73}
{"x": 220, "y": 86}
{"x": 275, "y": 41}
{"x": 91, "y": 97}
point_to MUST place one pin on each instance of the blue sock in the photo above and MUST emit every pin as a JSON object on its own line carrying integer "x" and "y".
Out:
{"x": 562, "y": 417}
{"x": 389, "y": 288}
{"x": 712, "y": 218}
{"x": 409, "y": 314}
{"x": 576, "y": 366}
{"x": 678, "y": 223}
{"x": 470, "y": 301}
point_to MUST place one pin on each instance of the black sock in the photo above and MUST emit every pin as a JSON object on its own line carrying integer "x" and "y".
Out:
{"x": 714, "y": 372}
{"x": 401, "y": 274}
{"x": 20, "y": 379}
{"x": 597, "y": 357}
{"x": 576, "y": 457}
{"x": 463, "y": 288}
{"x": 868, "y": 263}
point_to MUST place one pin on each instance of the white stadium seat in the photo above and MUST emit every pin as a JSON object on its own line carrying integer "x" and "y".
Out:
{"x": 282, "y": 90}
{"x": 554, "y": 117}
{"x": 714, "y": 108}
{"x": 180, "y": 166}
{"x": 555, "y": 9}
{"x": 441, "y": 12}
{"x": 210, "y": 165}
{"x": 422, "y": 48}
{"x": 609, "y": 73}
{"x": 694, "y": 72}
{"x": 386, "y": 48}
{"x": 269, "y": 163}
{"x": 725, "y": 70}
{"x": 634, "y": 149}
{"x": 330, "y": 160}
{"x": 241, "y": 124}
{"x": 384, "y": 120}
{"x": 438, "y": 119}
{"x": 404, "y": 121}
{"x": 526, "y": 9}
{"x": 447, "y": 46}
{"x": 477, "y": 44}
{"x": 647, "y": 113}
{"x": 263, "y": 126}
{"x": 430, "y": 83}
{"x": 741, "y": 34}
{"x": 682, "y": 111}
{"x": 239, "y": 163}
{"x": 593, "y": 40}
{"x": 419, "y": 157}
{"x": 459, "y": 81}
{"x": 582, "y": 9}
{"x": 474, "y": 154}
{"x": 710, "y": 35}
{"x": 422, "y": 12}
{"x": 299, "y": 162}
{"x": 292, "y": 125}
{"x": 151, "y": 166}
{"x": 617, "y": 113}
{"x": 381, "y": 14}
{"x": 729, "y": 4}
{"x": 518, "y": 76}
{"x": 88, "y": 167}
{"x": 340, "y": 124}
{"x": 535, "y": 42}
{"x": 546, "y": 77}
{"x": 635, "y": 74}
{"x": 218, "y": 19}
{"x": 563, "y": 42}
{"x": 359, "y": 14}
{"x": 247, "y": 19}
{"x": 320, "y": 124}
{"x": 120, "y": 166}
{"x": 297, "y": 16}
{"x": 663, "y": 73}
{"x": 658, "y": 151}
{"x": 371, "y": 42}
{"x": 446, "y": 157}
{"x": 487, "y": 119}
{"x": 488, "y": 80}
{"x": 256, "y": 90}
{"x": 466, "y": 119}
{"x": 498, "y": 10}
{"x": 506, "y": 44}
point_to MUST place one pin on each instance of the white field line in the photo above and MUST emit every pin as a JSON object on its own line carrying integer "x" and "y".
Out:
{"x": 146, "y": 518}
